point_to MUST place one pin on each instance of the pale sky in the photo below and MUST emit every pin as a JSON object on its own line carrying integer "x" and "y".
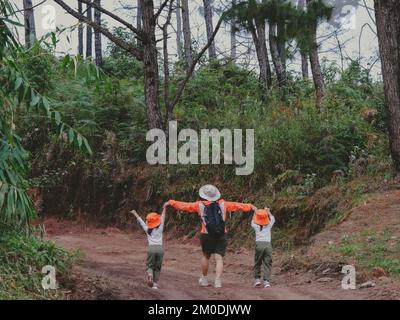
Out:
{"x": 367, "y": 45}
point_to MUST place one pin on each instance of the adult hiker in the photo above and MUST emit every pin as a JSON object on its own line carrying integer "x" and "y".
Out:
{"x": 262, "y": 223}
{"x": 153, "y": 228}
{"x": 212, "y": 211}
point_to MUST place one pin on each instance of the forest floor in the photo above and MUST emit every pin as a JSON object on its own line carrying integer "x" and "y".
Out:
{"x": 113, "y": 265}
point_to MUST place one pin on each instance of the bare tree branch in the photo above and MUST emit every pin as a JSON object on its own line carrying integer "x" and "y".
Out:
{"x": 119, "y": 42}
{"x": 115, "y": 17}
{"x": 160, "y": 10}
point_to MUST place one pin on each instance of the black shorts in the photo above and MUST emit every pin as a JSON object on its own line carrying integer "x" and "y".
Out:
{"x": 211, "y": 245}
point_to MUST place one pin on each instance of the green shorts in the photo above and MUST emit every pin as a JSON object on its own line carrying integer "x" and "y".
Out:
{"x": 211, "y": 245}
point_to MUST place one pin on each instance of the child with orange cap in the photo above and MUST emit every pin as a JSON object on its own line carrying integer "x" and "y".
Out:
{"x": 262, "y": 224}
{"x": 154, "y": 228}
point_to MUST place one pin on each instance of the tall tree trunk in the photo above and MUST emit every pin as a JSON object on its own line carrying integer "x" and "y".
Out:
{"x": 281, "y": 38}
{"x": 97, "y": 36}
{"x": 304, "y": 64}
{"x": 139, "y": 20}
{"x": 29, "y": 18}
{"x": 89, "y": 33}
{"x": 276, "y": 58}
{"x": 150, "y": 61}
{"x": 187, "y": 34}
{"x": 303, "y": 53}
{"x": 208, "y": 16}
{"x": 388, "y": 24}
{"x": 264, "y": 51}
{"x": 167, "y": 102}
{"x": 258, "y": 33}
{"x": 179, "y": 34}
{"x": 233, "y": 37}
{"x": 318, "y": 76}
{"x": 80, "y": 31}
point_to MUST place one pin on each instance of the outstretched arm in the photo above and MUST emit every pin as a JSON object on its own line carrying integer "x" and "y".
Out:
{"x": 236, "y": 206}
{"x": 140, "y": 220}
{"x": 192, "y": 207}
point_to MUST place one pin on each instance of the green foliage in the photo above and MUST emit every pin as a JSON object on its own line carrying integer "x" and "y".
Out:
{"x": 294, "y": 23}
{"x": 373, "y": 250}
{"x": 117, "y": 63}
{"x": 19, "y": 96}
{"x": 290, "y": 136}
{"x": 22, "y": 258}
{"x": 39, "y": 67}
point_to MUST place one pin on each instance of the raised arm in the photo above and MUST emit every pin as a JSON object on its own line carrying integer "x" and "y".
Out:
{"x": 191, "y": 207}
{"x": 140, "y": 220}
{"x": 236, "y": 206}
{"x": 271, "y": 218}
{"x": 163, "y": 215}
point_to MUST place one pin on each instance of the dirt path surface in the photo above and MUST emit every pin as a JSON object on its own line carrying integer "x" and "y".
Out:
{"x": 114, "y": 264}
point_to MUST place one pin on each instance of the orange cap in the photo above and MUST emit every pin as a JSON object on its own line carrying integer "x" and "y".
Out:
{"x": 261, "y": 217}
{"x": 153, "y": 220}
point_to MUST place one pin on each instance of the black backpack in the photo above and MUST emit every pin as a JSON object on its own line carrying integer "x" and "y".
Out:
{"x": 214, "y": 220}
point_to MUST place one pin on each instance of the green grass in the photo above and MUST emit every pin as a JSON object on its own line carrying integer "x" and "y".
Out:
{"x": 371, "y": 250}
{"x": 22, "y": 258}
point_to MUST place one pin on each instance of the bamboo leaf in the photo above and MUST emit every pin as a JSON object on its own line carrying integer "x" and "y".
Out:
{"x": 57, "y": 118}
{"x": 79, "y": 139}
{"x": 87, "y": 146}
{"x": 35, "y": 100}
{"x": 71, "y": 136}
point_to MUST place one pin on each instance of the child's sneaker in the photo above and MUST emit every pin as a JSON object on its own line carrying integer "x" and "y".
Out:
{"x": 149, "y": 280}
{"x": 267, "y": 284}
{"x": 155, "y": 286}
{"x": 258, "y": 283}
{"x": 203, "y": 282}
{"x": 218, "y": 283}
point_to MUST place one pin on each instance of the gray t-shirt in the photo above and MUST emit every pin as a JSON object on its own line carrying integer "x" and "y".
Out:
{"x": 263, "y": 234}
{"x": 156, "y": 237}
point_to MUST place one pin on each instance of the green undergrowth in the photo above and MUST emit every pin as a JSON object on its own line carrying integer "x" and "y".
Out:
{"x": 22, "y": 257}
{"x": 371, "y": 250}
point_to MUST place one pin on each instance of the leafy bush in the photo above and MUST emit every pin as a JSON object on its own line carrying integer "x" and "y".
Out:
{"x": 22, "y": 258}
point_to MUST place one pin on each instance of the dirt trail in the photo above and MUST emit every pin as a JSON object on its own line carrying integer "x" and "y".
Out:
{"x": 116, "y": 259}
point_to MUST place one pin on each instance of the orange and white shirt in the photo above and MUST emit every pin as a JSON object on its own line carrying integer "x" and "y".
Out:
{"x": 199, "y": 206}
